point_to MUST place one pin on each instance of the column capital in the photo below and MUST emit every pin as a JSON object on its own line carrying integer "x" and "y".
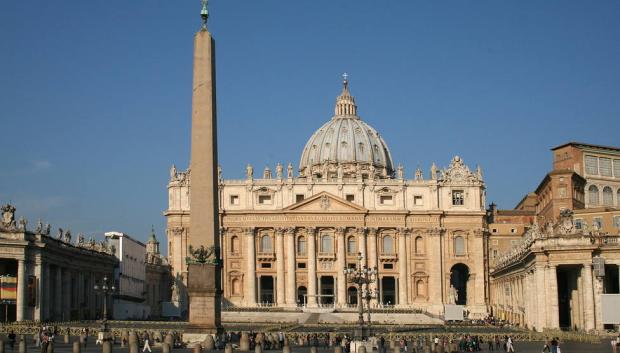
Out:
{"x": 404, "y": 231}
{"x": 289, "y": 230}
{"x": 340, "y": 231}
{"x": 372, "y": 232}
{"x": 279, "y": 231}
{"x": 361, "y": 231}
{"x": 249, "y": 231}
{"x": 311, "y": 230}
{"x": 435, "y": 231}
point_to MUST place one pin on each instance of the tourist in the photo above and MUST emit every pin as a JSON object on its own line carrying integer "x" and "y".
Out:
{"x": 497, "y": 345}
{"x": 147, "y": 346}
{"x": 614, "y": 345}
{"x": 554, "y": 345}
{"x": 490, "y": 343}
{"x": 509, "y": 346}
{"x": 37, "y": 338}
{"x": 12, "y": 340}
{"x": 45, "y": 341}
{"x": 546, "y": 348}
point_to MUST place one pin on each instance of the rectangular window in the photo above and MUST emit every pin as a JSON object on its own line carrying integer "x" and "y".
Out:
{"x": 494, "y": 253}
{"x": 604, "y": 166}
{"x": 578, "y": 223}
{"x": 513, "y": 230}
{"x": 494, "y": 230}
{"x": 514, "y": 243}
{"x": 597, "y": 222}
{"x": 591, "y": 165}
{"x": 265, "y": 265}
{"x": 495, "y": 242}
{"x": 234, "y": 200}
{"x": 301, "y": 265}
{"x": 299, "y": 197}
{"x": 417, "y": 200}
{"x": 617, "y": 168}
{"x": 350, "y": 197}
{"x": 264, "y": 199}
{"x": 562, "y": 191}
{"x": 388, "y": 266}
{"x": 386, "y": 200}
{"x": 351, "y": 266}
{"x": 458, "y": 198}
{"x": 616, "y": 221}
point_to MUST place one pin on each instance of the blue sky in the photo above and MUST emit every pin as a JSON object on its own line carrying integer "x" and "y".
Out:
{"x": 95, "y": 96}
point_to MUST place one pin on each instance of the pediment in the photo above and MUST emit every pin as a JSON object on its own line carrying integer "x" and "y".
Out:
{"x": 325, "y": 202}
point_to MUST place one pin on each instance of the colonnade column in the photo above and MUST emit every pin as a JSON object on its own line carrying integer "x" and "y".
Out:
{"x": 38, "y": 273}
{"x": 21, "y": 290}
{"x": 279, "y": 266}
{"x": 311, "y": 266}
{"x": 402, "y": 267}
{"x": 45, "y": 292}
{"x": 554, "y": 317}
{"x": 588, "y": 296}
{"x": 290, "y": 267}
{"x": 250, "y": 289}
{"x": 340, "y": 265}
{"x": 361, "y": 241}
{"x": 372, "y": 258}
{"x": 58, "y": 294}
{"x": 541, "y": 294}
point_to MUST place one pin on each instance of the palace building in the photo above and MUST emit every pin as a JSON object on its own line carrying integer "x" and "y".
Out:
{"x": 286, "y": 236}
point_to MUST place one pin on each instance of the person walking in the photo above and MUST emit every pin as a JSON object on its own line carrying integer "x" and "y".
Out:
{"x": 45, "y": 341}
{"x": 12, "y": 340}
{"x": 147, "y": 345}
{"x": 614, "y": 345}
{"x": 554, "y": 345}
{"x": 509, "y": 345}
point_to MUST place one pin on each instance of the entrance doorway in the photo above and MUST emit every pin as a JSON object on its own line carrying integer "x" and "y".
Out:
{"x": 327, "y": 290}
{"x": 568, "y": 278}
{"x": 388, "y": 290}
{"x": 301, "y": 295}
{"x": 459, "y": 276}
{"x": 352, "y": 295}
{"x": 266, "y": 290}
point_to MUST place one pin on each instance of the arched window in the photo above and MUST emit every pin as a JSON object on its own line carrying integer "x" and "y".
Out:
{"x": 351, "y": 246}
{"x": 234, "y": 244}
{"x": 593, "y": 195}
{"x": 420, "y": 288}
{"x": 608, "y": 196}
{"x": 419, "y": 245}
{"x": 388, "y": 244}
{"x": 459, "y": 245}
{"x": 265, "y": 244}
{"x": 301, "y": 246}
{"x": 327, "y": 243}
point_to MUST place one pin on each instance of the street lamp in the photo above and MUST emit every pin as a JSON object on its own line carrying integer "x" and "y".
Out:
{"x": 360, "y": 276}
{"x": 106, "y": 290}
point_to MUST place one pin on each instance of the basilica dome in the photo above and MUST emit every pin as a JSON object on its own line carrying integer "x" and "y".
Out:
{"x": 346, "y": 146}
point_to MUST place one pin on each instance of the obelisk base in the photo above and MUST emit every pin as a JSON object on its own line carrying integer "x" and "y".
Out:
{"x": 204, "y": 302}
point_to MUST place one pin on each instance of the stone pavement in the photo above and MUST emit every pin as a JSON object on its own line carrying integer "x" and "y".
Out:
{"x": 520, "y": 347}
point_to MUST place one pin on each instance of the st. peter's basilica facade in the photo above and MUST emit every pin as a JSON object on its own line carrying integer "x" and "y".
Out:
{"x": 286, "y": 237}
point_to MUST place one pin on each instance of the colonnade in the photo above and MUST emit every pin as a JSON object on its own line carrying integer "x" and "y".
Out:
{"x": 49, "y": 291}
{"x": 549, "y": 296}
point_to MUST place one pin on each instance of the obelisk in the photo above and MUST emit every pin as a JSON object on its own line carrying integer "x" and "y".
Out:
{"x": 203, "y": 283}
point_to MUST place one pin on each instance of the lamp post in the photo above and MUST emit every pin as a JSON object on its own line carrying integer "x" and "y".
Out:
{"x": 106, "y": 290}
{"x": 360, "y": 276}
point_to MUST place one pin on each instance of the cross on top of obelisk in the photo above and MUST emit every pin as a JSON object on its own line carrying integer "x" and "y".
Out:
{"x": 204, "y": 14}
{"x": 345, "y": 77}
